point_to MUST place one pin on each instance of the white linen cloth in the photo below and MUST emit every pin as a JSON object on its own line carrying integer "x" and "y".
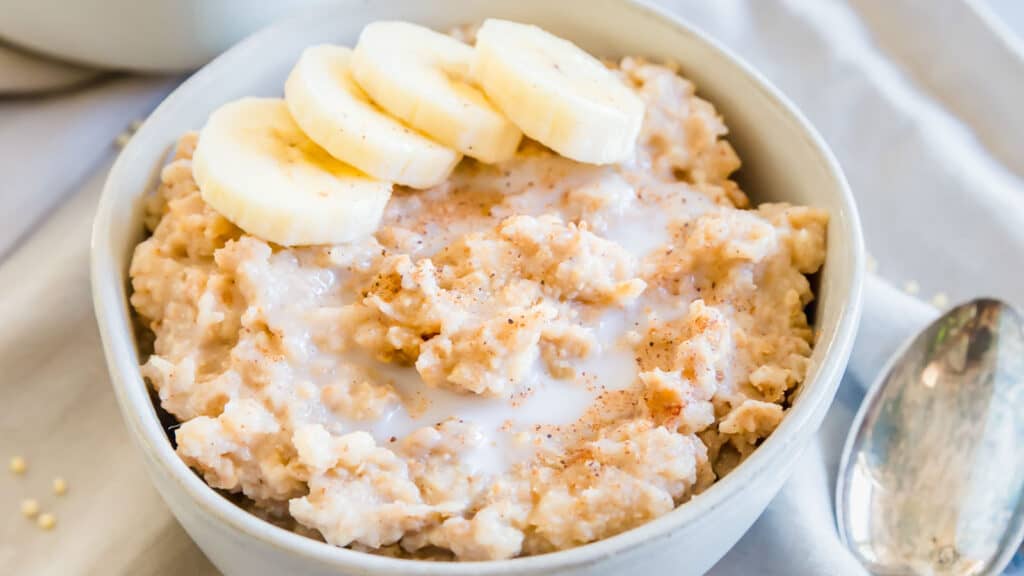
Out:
{"x": 921, "y": 102}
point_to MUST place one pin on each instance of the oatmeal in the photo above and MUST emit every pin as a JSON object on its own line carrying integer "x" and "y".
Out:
{"x": 529, "y": 356}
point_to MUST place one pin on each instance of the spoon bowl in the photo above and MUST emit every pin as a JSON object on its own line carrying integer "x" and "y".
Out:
{"x": 932, "y": 475}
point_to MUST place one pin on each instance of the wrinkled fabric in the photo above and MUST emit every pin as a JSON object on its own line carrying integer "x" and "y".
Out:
{"x": 920, "y": 101}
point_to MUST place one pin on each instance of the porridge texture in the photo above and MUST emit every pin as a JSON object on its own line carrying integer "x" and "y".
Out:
{"x": 528, "y": 357}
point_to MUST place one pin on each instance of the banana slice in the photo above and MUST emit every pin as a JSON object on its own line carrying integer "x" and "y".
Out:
{"x": 556, "y": 93}
{"x": 335, "y": 113}
{"x": 421, "y": 77}
{"x": 255, "y": 166}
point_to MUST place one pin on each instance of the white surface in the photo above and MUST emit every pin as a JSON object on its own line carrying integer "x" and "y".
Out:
{"x": 786, "y": 161}
{"x": 50, "y": 145}
{"x": 939, "y": 193}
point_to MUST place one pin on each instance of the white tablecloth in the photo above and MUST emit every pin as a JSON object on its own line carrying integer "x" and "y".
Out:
{"x": 921, "y": 102}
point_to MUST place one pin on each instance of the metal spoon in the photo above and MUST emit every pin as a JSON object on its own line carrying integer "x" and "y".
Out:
{"x": 932, "y": 476}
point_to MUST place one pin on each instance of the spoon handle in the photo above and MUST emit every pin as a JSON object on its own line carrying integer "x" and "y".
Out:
{"x": 1016, "y": 567}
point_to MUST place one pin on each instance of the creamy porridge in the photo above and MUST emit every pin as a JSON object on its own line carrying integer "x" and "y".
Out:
{"x": 532, "y": 355}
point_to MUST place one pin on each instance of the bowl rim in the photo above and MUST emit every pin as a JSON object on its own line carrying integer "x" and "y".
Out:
{"x": 110, "y": 301}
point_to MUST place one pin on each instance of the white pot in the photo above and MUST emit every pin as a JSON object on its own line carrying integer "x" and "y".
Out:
{"x": 146, "y": 35}
{"x": 784, "y": 159}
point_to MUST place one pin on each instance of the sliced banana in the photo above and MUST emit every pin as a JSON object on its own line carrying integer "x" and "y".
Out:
{"x": 335, "y": 113}
{"x": 254, "y": 165}
{"x": 421, "y": 77}
{"x": 556, "y": 93}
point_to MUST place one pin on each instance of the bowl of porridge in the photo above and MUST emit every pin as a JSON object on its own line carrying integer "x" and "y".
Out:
{"x": 474, "y": 289}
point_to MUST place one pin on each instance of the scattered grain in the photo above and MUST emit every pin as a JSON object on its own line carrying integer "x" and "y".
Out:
{"x": 122, "y": 139}
{"x": 870, "y": 264}
{"x": 29, "y": 508}
{"x": 46, "y": 521}
{"x": 18, "y": 465}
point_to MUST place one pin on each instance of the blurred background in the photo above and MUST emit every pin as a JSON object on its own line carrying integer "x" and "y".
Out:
{"x": 920, "y": 100}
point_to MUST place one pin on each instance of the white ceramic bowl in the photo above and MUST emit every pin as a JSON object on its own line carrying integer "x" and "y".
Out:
{"x": 150, "y": 35}
{"x": 784, "y": 159}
